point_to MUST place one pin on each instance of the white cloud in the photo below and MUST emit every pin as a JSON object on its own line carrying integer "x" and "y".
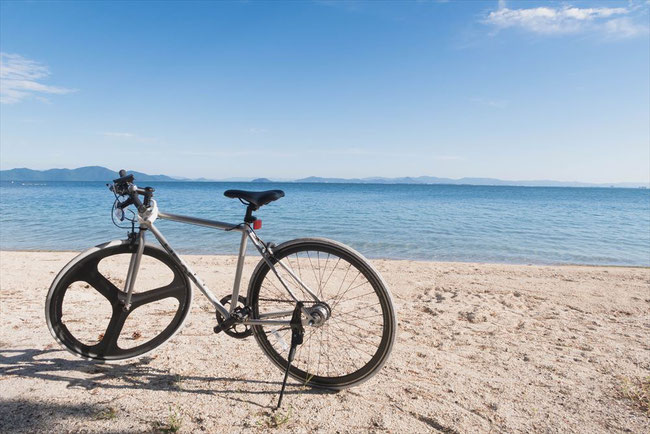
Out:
{"x": 494, "y": 103}
{"x": 348, "y": 152}
{"x": 20, "y": 78}
{"x": 119, "y": 135}
{"x": 567, "y": 19}
{"x": 374, "y": 153}
{"x": 245, "y": 153}
{"x": 448, "y": 158}
{"x": 128, "y": 136}
{"x": 255, "y": 130}
{"x": 624, "y": 28}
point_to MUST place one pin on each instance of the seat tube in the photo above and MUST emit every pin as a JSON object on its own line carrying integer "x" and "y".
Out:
{"x": 238, "y": 272}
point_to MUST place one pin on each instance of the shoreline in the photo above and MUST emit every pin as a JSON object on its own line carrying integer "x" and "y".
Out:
{"x": 371, "y": 259}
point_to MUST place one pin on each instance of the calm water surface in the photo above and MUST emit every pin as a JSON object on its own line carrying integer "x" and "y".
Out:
{"x": 428, "y": 222}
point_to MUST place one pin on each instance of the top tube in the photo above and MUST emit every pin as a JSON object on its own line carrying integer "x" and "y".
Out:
{"x": 240, "y": 227}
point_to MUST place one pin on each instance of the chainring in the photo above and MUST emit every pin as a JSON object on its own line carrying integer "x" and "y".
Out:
{"x": 236, "y": 330}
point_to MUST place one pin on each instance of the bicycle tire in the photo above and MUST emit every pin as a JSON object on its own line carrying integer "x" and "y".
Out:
{"x": 278, "y": 356}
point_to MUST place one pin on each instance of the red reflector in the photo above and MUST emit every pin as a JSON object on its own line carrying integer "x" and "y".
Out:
{"x": 257, "y": 224}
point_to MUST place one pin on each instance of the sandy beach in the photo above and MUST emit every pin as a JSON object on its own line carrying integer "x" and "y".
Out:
{"x": 480, "y": 348}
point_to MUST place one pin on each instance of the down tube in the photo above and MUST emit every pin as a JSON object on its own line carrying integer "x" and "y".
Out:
{"x": 190, "y": 273}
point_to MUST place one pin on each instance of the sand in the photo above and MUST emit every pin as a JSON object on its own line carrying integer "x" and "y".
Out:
{"x": 481, "y": 348}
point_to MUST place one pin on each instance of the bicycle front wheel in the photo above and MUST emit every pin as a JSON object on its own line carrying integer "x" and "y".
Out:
{"x": 85, "y": 308}
{"x": 354, "y": 342}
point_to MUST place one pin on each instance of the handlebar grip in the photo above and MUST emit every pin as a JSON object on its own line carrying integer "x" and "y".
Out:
{"x": 126, "y": 203}
{"x": 124, "y": 185}
{"x": 124, "y": 179}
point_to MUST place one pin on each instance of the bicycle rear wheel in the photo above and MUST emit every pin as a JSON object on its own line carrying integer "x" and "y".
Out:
{"x": 73, "y": 306}
{"x": 354, "y": 342}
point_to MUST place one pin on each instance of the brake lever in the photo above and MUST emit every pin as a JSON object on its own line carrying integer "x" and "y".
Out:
{"x": 119, "y": 214}
{"x": 122, "y": 205}
{"x": 119, "y": 208}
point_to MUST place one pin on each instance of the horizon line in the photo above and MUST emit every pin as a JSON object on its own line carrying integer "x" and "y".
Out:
{"x": 340, "y": 179}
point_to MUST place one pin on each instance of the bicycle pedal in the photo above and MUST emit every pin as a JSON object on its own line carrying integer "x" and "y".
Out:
{"x": 224, "y": 325}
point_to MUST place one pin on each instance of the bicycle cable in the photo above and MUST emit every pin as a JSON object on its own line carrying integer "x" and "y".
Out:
{"x": 114, "y": 207}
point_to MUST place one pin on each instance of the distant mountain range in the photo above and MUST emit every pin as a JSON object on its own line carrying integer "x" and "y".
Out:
{"x": 98, "y": 173}
{"x": 88, "y": 173}
{"x": 466, "y": 181}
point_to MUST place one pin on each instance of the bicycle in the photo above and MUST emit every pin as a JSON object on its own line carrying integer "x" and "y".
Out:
{"x": 325, "y": 295}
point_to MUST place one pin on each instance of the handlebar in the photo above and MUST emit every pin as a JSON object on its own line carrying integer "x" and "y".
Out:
{"x": 124, "y": 186}
{"x": 124, "y": 179}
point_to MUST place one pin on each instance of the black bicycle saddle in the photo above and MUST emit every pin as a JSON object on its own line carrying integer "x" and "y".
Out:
{"x": 256, "y": 198}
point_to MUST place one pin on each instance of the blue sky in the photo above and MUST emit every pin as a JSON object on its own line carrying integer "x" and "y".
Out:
{"x": 513, "y": 90}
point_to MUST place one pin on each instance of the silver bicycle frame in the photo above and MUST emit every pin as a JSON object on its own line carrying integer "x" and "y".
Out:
{"x": 146, "y": 221}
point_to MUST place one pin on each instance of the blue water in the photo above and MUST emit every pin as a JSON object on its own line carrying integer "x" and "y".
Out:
{"x": 427, "y": 222}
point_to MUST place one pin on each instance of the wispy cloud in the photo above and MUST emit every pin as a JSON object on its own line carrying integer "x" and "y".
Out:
{"x": 255, "y": 130}
{"x": 448, "y": 158}
{"x": 128, "y": 136}
{"x": 358, "y": 152}
{"x": 494, "y": 103}
{"x": 239, "y": 153}
{"x": 349, "y": 6}
{"x": 375, "y": 153}
{"x": 614, "y": 22}
{"x": 119, "y": 135}
{"x": 322, "y": 153}
{"x": 21, "y": 78}
{"x": 624, "y": 27}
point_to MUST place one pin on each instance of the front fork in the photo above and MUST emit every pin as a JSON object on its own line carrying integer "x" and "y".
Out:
{"x": 134, "y": 266}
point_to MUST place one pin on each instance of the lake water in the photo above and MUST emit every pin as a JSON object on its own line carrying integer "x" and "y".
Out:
{"x": 426, "y": 222}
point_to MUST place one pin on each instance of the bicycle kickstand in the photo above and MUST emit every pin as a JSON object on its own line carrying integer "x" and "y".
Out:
{"x": 297, "y": 333}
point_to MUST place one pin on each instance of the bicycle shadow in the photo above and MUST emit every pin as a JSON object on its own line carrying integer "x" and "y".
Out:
{"x": 138, "y": 374}
{"x": 21, "y": 415}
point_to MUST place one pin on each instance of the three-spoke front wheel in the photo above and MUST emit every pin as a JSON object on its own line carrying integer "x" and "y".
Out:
{"x": 354, "y": 342}
{"x": 85, "y": 305}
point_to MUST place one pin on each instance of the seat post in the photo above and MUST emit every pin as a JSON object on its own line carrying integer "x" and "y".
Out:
{"x": 250, "y": 218}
